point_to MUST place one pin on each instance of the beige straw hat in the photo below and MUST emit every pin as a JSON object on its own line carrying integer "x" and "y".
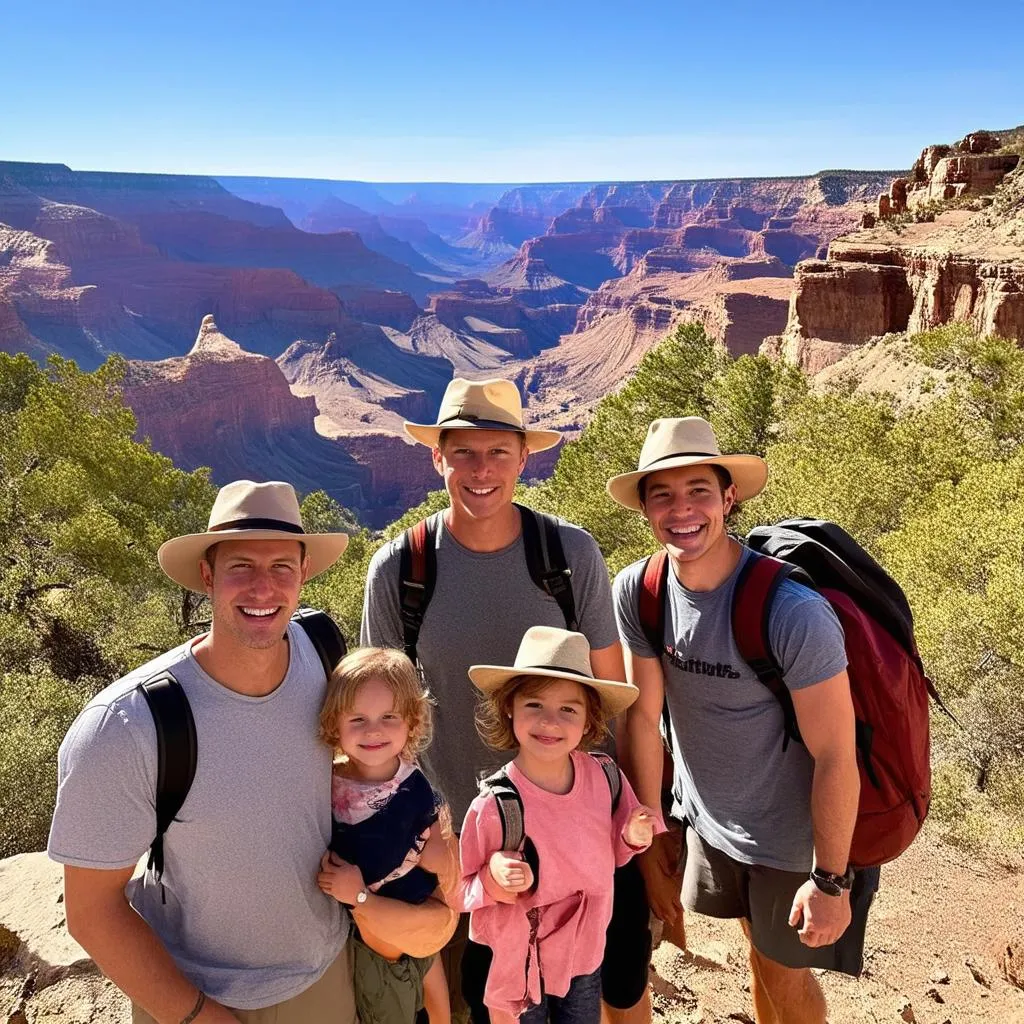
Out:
{"x": 687, "y": 441}
{"x": 250, "y": 511}
{"x": 557, "y": 654}
{"x": 482, "y": 405}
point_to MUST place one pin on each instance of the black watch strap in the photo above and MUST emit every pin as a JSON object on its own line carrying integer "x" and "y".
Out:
{"x": 832, "y": 885}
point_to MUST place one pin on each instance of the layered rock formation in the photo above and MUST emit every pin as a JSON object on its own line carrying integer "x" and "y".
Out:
{"x": 232, "y": 410}
{"x": 960, "y": 257}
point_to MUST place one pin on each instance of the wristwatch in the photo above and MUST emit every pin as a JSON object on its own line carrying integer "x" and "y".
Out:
{"x": 362, "y": 896}
{"x": 832, "y": 885}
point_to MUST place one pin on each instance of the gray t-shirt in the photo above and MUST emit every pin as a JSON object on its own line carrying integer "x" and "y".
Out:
{"x": 733, "y": 781}
{"x": 482, "y": 605}
{"x": 243, "y": 918}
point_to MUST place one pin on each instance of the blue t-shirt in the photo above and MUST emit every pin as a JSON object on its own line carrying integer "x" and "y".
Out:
{"x": 734, "y": 782}
{"x": 380, "y": 826}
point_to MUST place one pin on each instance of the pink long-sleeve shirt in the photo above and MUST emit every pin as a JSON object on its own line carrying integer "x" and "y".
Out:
{"x": 558, "y": 929}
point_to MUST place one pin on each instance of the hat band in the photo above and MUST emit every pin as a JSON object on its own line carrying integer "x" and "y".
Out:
{"x": 257, "y": 524}
{"x": 481, "y": 423}
{"x": 557, "y": 668}
{"x": 683, "y": 455}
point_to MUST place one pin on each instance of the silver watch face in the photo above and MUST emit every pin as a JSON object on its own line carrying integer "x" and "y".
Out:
{"x": 362, "y": 896}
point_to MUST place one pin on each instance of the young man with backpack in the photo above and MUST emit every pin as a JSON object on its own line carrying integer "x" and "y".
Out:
{"x": 209, "y": 756}
{"x": 768, "y": 823}
{"x": 462, "y": 588}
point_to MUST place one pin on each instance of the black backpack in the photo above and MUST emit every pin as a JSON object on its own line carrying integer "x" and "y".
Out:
{"x": 510, "y": 807}
{"x": 176, "y": 747}
{"x": 545, "y": 560}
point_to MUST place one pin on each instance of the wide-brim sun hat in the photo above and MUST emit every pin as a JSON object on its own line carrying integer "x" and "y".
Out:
{"x": 245, "y": 510}
{"x": 687, "y": 441}
{"x": 482, "y": 405}
{"x": 555, "y": 654}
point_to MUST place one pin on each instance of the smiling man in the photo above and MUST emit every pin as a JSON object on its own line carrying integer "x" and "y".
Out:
{"x": 235, "y": 927}
{"x": 767, "y": 824}
{"x": 481, "y": 600}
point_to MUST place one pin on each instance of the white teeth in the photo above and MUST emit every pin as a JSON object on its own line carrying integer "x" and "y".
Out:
{"x": 480, "y": 490}
{"x": 260, "y": 612}
{"x": 685, "y": 530}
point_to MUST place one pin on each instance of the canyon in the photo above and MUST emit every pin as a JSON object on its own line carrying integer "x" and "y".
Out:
{"x": 286, "y": 328}
{"x": 945, "y": 244}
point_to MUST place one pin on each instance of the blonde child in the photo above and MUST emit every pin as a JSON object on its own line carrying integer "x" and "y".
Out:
{"x": 543, "y": 909}
{"x": 388, "y": 837}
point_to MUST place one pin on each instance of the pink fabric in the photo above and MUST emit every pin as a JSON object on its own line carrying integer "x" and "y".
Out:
{"x": 562, "y": 924}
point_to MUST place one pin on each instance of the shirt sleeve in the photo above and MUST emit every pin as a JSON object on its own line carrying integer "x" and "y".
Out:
{"x": 591, "y": 587}
{"x": 626, "y": 597}
{"x": 480, "y": 838}
{"x": 105, "y": 816}
{"x": 382, "y": 623}
{"x": 806, "y": 637}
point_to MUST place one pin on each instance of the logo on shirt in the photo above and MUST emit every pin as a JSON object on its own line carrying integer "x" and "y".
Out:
{"x": 700, "y": 668}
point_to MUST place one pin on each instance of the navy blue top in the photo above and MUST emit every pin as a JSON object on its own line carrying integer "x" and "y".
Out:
{"x": 380, "y": 843}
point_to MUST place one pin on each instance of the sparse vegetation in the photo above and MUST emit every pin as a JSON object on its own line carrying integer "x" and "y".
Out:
{"x": 934, "y": 489}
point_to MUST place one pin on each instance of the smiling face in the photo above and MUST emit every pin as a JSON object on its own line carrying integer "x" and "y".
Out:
{"x": 549, "y": 721}
{"x": 372, "y": 732}
{"x": 254, "y": 586}
{"x": 686, "y": 508}
{"x": 480, "y": 470}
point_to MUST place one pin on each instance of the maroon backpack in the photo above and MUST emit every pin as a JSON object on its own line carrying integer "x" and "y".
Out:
{"x": 887, "y": 680}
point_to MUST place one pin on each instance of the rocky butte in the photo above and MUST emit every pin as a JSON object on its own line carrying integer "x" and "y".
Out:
{"x": 945, "y": 244}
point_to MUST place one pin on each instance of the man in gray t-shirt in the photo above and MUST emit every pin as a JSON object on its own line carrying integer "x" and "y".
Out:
{"x": 236, "y": 927}
{"x": 483, "y": 602}
{"x": 767, "y": 825}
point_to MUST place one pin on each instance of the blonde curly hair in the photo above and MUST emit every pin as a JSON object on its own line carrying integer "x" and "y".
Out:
{"x": 412, "y": 701}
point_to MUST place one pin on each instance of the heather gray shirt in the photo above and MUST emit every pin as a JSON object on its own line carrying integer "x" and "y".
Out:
{"x": 733, "y": 782}
{"x": 482, "y": 605}
{"x": 243, "y": 918}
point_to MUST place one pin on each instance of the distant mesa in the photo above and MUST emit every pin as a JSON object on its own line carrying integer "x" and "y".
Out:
{"x": 944, "y": 243}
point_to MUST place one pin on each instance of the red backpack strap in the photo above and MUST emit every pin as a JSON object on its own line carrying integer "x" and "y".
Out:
{"x": 652, "y": 600}
{"x": 417, "y": 574}
{"x": 759, "y": 581}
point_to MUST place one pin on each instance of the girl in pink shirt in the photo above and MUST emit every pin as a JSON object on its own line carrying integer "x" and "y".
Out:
{"x": 543, "y": 909}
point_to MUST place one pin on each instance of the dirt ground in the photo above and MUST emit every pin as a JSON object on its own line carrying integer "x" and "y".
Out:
{"x": 935, "y": 934}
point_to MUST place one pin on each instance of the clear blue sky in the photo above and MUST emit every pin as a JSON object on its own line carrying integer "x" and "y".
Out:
{"x": 408, "y": 90}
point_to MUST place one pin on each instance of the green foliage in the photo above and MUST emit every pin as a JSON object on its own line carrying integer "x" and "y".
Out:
{"x": 935, "y": 491}
{"x": 689, "y": 374}
{"x": 83, "y": 508}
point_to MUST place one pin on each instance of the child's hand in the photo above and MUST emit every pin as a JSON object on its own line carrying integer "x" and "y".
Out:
{"x": 339, "y": 879}
{"x": 510, "y": 871}
{"x": 638, "y": 831}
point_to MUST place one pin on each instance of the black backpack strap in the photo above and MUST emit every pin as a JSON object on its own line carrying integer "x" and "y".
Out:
{"x": 513, "y": 824}
{"x": 545, "y": 559}
{"x": 756, "y": 587}
{"x": 176, "y": 755}
{"x": 325, "y": 636}
{"x": 612, "y": 776}
{"x": 417, "y": 576}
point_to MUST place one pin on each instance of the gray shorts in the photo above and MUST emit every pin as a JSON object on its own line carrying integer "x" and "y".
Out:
{"x": 717, "y": 886}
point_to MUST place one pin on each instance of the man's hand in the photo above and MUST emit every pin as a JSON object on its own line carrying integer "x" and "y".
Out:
{"x": 638, "y": 831}
{"x": 660, "y": 868}
{"x": 339, "y": 879}
{"x": 510, "y": 871}
{"x": 820, "y": 919}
